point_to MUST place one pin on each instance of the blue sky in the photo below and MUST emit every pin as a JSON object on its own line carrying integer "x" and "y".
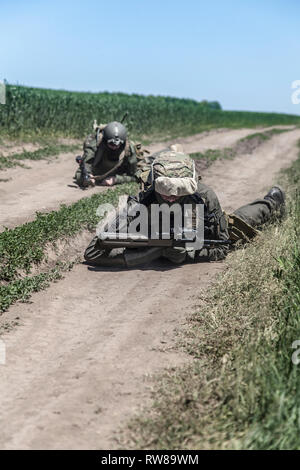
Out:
{"x": 243, "y": 53}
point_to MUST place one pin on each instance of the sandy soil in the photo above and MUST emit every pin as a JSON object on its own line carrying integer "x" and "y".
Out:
{"x": 49, "y": 183}
{"x": 79, "y": 363}
{"x": 9, "y": 148}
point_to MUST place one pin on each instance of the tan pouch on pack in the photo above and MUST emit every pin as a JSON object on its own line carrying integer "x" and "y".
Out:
{"x": 240, "y": 230}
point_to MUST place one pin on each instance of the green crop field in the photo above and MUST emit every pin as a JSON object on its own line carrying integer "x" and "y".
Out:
{"x": 34, "y": 111}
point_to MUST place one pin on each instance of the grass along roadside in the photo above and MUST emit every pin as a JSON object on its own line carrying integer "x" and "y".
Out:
{"x": 25, "y": 247}
{"x": 242, "y": 388}
{"x": 22, "y": 289}
{"x": 50, "y": 150}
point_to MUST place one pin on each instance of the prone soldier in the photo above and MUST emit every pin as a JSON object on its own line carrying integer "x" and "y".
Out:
{"x": 109, "y": 157}
{"x": 172, "y": 180}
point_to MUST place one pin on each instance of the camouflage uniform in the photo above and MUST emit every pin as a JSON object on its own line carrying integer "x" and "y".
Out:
{"x": 99, "y": 159}
{"x": 222, "y": 227}
{"x": 258, "y": 212}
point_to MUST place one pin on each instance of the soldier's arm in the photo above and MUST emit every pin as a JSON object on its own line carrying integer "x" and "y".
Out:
{"x": 217, "y": 231}
{"x": 89, "y": 151}
{"x": 214, "y": 254}
{"x": 128, "y": 169}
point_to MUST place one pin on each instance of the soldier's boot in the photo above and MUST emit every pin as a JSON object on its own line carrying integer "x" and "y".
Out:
{"x": 276, "y": 197}
{"x": 277, "y": 194}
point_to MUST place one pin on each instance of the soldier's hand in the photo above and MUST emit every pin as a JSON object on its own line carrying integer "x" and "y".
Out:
{"x": 92, "y": 180}
{"x": 109, "y": 181}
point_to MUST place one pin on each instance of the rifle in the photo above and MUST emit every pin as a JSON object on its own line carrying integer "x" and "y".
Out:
{"x": 113, "y": 232}
{"x": 110, "y": 240}
{"x": 86, "y": 181}
{"x": 84, "y": 173}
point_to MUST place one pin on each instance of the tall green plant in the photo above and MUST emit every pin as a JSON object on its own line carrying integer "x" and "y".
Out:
{"x": 42, "y": 111}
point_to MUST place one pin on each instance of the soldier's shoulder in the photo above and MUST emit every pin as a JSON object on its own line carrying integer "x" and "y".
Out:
{"x": 136, "y": 148}
{"x": 91, "y": 138}
{"x": 206, "y": 192}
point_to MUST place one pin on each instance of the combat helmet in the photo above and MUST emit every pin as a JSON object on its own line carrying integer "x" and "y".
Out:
{"x": 114, "y": 135}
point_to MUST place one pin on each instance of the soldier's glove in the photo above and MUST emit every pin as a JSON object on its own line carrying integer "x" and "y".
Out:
{"x": 91, "y": 181}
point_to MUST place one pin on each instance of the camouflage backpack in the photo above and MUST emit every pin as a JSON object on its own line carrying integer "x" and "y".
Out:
{"x": 168, "y": 162}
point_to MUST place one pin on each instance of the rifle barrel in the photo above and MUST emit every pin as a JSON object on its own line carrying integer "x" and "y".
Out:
{"x": 115, "y": 240}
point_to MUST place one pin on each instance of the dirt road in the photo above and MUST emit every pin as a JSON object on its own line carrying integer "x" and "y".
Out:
{"x": 79, "y": 364}
{"x": 49, "y": 183}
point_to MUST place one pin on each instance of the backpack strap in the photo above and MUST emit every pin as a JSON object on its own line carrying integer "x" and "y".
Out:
{"x": 98, "y": 129}
{"x": 127, "y": 149}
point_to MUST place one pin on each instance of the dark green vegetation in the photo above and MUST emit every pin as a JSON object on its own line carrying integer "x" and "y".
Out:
{"x": 22, "y": 289}
{"x": 26, "y": 246}
{"x": 38, "y": 111}
{"x": 50, "y": 150}
{"x": 242, "y": 389}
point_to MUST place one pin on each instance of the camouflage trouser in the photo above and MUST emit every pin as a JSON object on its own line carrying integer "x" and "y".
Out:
{"x": 258, "y": 212}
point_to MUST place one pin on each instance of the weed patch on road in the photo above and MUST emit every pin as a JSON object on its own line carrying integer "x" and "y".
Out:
{"x": 25, "y": 246}
{"x": 16, "y": 159}
{"x": 245, "y": 145}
